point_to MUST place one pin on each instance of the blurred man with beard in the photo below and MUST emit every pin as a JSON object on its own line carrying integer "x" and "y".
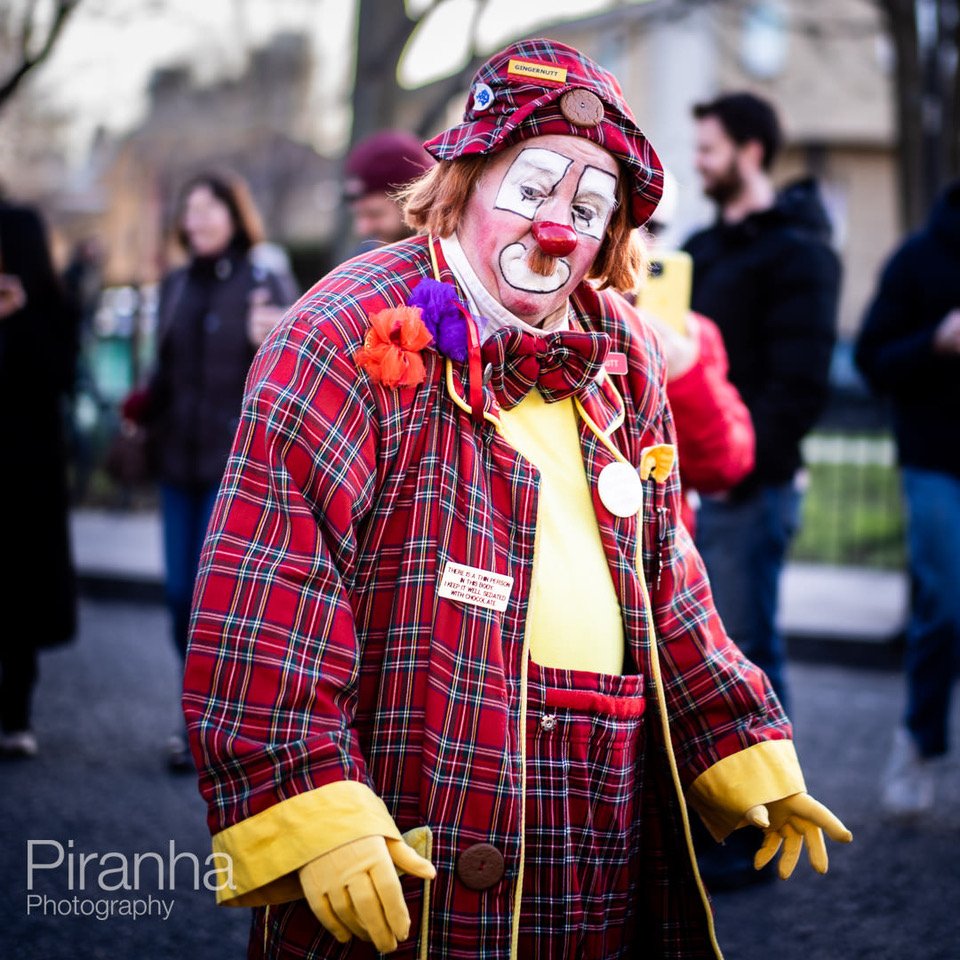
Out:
{"x": 377, "y": 167}
{"x": 766, "y": 274}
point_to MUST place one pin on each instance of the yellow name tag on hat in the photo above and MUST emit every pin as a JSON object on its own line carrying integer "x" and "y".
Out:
{"x": 539, "y": 71}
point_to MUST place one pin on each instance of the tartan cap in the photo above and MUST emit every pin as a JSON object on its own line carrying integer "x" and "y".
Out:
{"x": 536, "y": 87}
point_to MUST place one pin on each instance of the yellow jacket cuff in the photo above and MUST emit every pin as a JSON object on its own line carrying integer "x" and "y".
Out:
{"x": 765, "y": 772}
{"x": 257, "y": 859}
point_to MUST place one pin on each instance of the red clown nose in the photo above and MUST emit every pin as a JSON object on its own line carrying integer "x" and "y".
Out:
{"x": 555, "y": 239}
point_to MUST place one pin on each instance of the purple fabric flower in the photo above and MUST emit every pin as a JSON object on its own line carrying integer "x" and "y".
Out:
{"x": 442, "y": 316}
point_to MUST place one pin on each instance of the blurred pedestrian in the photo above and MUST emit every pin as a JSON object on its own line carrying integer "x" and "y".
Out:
{"x": 715, "y": 439}
{"x": 909, "y": 351}
{"x": 427, "y": 629}
{"x": 766, "y": 274}
{"x": 37, "y": 366}
{"x": 83, "y": 281}
{"x": 83, "y": 284}
{"x": 213, "y": 314}
{"x": 273, "y": 258}
{"x": 375, "y": 169}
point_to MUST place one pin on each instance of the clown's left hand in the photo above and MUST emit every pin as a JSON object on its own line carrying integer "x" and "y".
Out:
{"x": 790, "y": 822}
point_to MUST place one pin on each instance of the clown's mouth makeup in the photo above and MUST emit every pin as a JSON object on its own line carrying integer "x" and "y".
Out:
{"x": 531, "y": 270}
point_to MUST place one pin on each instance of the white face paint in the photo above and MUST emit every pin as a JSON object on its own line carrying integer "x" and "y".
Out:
{"x": 554, "y": 179}
{"x": 532, "y": 177}
{"x": 513, "y": 266}
{"x": 594, "y": 202}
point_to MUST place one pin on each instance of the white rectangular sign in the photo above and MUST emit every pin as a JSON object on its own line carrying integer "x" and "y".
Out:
{"x": 475, "y": 587}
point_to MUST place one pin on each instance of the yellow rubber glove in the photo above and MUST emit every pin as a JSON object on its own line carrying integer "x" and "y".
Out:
{"x": 790, "y": 822}
{"x": 354, "y": 890}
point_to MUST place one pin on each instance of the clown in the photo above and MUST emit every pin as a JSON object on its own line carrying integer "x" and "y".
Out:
{"x": 455, "y": 671}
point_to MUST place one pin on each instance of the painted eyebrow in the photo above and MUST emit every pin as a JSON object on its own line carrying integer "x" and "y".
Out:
{"x": 593, "y": 194}
{"x": 540, "y": 165}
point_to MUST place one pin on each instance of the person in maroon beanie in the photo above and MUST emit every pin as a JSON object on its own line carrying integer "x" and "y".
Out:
{"x": 375, "y": 168}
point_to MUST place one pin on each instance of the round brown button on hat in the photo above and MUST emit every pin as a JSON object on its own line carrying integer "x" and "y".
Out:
{"x": 582, "y": 108}
{"x": 480, "y": 867}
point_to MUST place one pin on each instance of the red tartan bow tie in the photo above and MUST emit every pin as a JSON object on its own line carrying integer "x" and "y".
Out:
{"x": 559, "y": 364}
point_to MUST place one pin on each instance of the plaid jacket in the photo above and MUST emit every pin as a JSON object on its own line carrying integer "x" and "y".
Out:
{"x": 320, "y": 651}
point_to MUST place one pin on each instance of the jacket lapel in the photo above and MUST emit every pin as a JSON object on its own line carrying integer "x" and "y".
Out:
{"x": 458, "y": 371}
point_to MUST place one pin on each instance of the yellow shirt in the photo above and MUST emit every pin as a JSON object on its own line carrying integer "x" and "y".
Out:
{"x": 574, "y": 620}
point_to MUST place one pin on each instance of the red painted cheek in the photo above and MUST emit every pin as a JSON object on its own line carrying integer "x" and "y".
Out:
{"x": 555, "y": 239}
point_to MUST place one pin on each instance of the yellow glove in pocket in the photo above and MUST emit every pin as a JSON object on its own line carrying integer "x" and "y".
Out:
{"x": 789, "y": 822}
{"x": 354, "y": 890}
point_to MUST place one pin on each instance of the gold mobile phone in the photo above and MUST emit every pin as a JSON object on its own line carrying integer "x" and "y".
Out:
{"x": 665, "y": 291}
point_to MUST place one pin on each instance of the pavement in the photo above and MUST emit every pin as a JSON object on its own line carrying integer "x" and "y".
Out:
{"x": 104, "y": 708}
{"x": 118, "y": 554}
{"x": 833, "y": 614}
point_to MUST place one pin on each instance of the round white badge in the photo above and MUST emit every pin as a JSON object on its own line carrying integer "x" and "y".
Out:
{"x": 482, "y": 97}
{"x": 620, "y": 489}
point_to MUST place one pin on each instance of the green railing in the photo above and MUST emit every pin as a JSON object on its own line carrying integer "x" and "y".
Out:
{"x": 853, "y": 512}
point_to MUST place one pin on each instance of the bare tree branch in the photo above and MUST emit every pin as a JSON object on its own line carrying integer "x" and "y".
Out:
{"x": 29, "y": 59}
{"x": 26, "y": 33}
{"x": 459, "y": 80}
{"x": 926, "y": 90}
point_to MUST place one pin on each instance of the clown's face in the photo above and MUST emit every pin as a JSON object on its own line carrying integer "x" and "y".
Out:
{"x": 536, "y": 219}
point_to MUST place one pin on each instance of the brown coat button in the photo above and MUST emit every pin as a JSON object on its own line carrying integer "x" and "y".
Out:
{"x": 481, "y": 866}
{"x": 581, "y": 107}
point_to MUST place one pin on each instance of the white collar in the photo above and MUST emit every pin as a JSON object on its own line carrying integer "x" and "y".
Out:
{"x": 490, "y": 314}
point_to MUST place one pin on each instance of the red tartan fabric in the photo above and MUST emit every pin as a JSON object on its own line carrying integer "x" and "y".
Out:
{"x": 584, "y": 834}
{"x": 560, "y": 364}
{"x": 320, "y": 650}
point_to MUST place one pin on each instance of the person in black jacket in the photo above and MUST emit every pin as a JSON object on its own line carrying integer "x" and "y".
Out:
{"x": 38, "y": 349}
{"x": 213, "y": 314}
{"x": 767, "y": 276}
{"x": 909, "y": 350}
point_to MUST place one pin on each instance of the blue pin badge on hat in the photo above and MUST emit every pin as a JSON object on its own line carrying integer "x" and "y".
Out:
{"x": 482, "y": 97}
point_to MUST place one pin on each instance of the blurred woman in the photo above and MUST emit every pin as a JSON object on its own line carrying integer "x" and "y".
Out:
{"x": 213, "y": 314}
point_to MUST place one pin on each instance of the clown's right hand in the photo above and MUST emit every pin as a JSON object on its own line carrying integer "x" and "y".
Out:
{"x": 354, "y": 890}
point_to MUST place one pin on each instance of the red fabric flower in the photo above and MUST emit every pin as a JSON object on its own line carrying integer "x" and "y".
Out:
{"x": 391, "y": 349}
